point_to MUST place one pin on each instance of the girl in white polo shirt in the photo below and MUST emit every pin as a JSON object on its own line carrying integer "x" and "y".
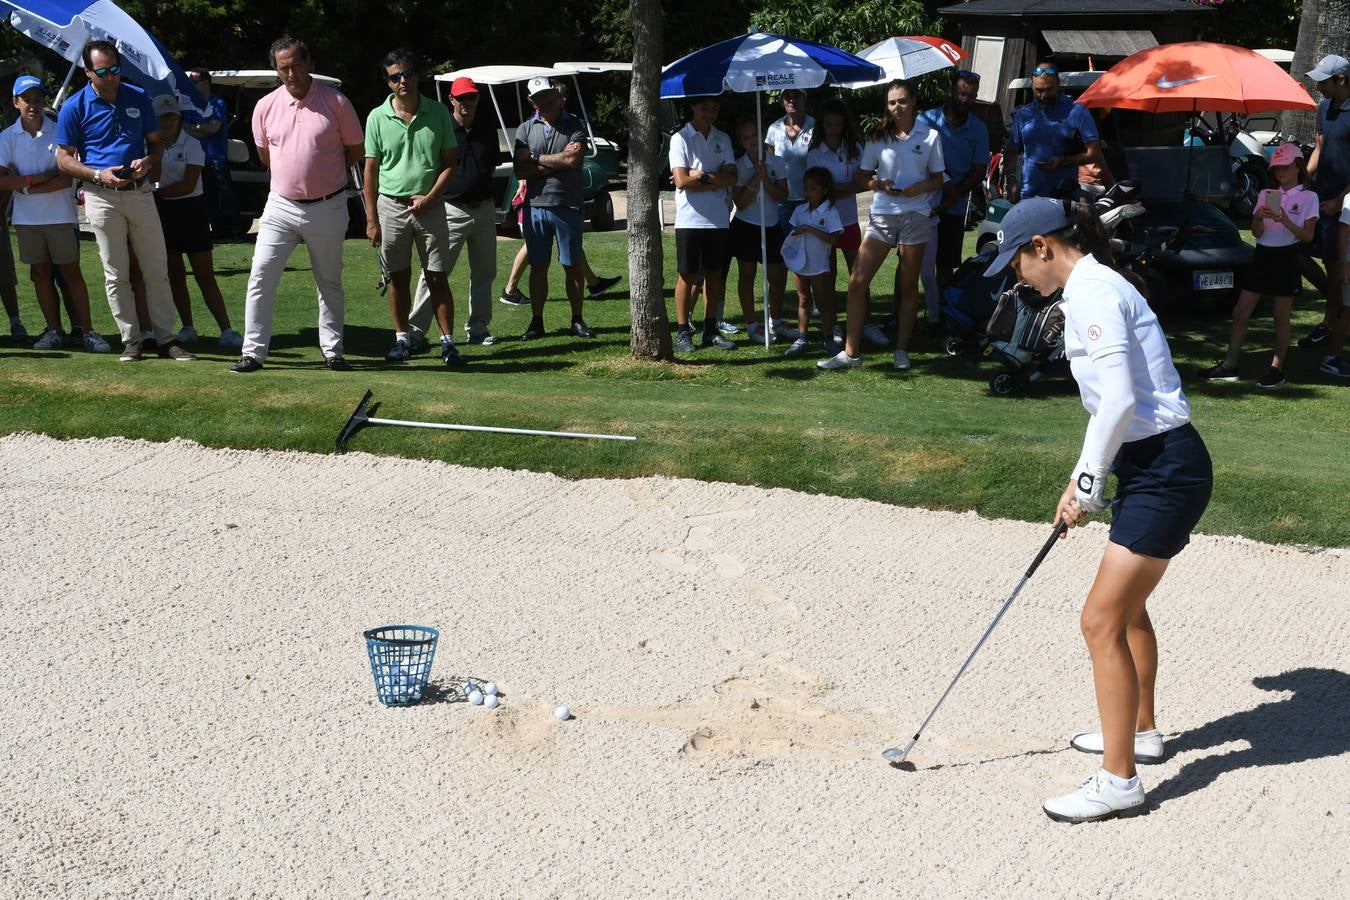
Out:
{"x": 901, "y": 164}
{"x": 1285, "y": 217}
{"x": 1139, "y": 428}
{"x": 834, "y": 147}
{"x": 816, "y": 224}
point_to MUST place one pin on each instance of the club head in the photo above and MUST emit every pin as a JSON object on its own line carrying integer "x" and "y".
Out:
{"x": 893, "y": 755}
{"x": 360, "y": 418}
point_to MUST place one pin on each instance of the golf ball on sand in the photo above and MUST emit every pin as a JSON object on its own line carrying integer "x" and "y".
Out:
{"x": 491, "y": 701}
{"x": 562, "y": 714}
{"x": 490, "y": 688}
{"x": 476, "y": 698}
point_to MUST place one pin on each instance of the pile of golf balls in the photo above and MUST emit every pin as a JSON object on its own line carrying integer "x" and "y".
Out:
{"x": 402, "y": 682}
{"x": 485, "y": 696}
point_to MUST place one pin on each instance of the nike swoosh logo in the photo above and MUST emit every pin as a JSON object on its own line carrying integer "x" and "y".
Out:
{"x": 1166, "y": 85}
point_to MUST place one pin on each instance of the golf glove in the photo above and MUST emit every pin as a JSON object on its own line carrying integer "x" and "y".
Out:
{"x": 1090, "y": 492}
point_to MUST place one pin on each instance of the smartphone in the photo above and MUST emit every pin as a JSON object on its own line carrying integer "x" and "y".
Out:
{"x": 125, "y": 173}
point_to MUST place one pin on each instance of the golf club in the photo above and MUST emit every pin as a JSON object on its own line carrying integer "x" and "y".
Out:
{"x": 896, "y": 755}
{"x": 361, "y": 418}
{"x": 382, "y": 285}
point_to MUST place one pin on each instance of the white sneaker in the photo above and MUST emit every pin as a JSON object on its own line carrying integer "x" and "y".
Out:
{"x": 94, "y": 343}
{"x": 51, "y": 340}
{"x": 230, "y": 340}
{"x": 798, "y": 347}
{"x": 187, "y": 335}
{"x": 1148, "y": 745}
{"x": 782, "y": 331}
{"x": 728, "y": 327}
{"x": 840, "y": 360}
{"x": 1096, "y": 799}
{"x": 901, "y": 361}
{"x": 755, "y": 332}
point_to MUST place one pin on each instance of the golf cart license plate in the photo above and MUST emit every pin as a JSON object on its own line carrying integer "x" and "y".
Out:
{"x": 1213, "y": 281}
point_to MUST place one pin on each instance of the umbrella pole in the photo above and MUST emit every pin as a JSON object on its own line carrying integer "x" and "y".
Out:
{"x": 61, "y": 94}
{"x": 763, "y": 228}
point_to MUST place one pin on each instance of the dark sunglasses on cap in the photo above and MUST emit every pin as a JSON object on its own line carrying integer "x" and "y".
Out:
{"x": 1044, "y": 70}
{"x": 399, "y": 76}
{"x": 967, "y": 75}
{"x": 105, "y": 71}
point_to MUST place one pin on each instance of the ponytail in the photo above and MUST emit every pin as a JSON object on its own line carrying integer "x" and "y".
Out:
{"x": 1085, "y": 232}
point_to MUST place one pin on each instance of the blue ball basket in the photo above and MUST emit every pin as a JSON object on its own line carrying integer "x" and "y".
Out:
{"x": 400, "y": 661}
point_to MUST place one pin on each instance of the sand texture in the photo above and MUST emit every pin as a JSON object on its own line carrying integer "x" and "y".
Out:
{"x": 188, "y": 709}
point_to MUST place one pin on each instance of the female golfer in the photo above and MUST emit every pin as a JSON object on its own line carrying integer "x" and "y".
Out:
{"x": 1140, "y": 429}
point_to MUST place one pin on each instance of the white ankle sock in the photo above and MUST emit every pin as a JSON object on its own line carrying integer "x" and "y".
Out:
{"x": 1148, "y": 734}
{"x": 1122, "y": 784}
{"x": 401, "y": 336}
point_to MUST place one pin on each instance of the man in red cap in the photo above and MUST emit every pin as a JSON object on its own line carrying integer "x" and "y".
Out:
{"x": 470, "y": 213}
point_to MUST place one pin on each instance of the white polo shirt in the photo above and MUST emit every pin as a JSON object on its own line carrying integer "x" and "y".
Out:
{"x": 1104, "y": 314}
{"x": 32, "y": 154}
{"x": 818, "y": 252}
{"x": 186, "y": 151}
{"x": 745, "y": 170}
{"x": 843, "y": 168}
{"x": 691, "y": 150}
{"x": 903, "y": 163}
{"x": 792, "y": 151}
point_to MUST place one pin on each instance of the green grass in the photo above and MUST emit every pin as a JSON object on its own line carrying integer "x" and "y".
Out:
{"x": 933, "y": 438}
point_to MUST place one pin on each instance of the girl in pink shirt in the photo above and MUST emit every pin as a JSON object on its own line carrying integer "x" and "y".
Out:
{"x": 1285, "y": 217}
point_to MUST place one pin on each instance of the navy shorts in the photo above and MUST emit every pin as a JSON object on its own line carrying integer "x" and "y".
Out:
{"x": 1325, "y": 236}
{"x": 1163, "y": 486}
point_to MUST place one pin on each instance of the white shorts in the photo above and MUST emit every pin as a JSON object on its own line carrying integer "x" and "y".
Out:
{"x": 906, "y": 229}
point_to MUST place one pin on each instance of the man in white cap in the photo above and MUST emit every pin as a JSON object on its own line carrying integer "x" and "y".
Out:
{"x": 1329, "y": 166}
{"x": 548, "y": 157}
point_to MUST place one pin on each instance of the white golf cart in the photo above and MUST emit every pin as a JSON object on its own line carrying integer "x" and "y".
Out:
{"x": 242, "y": 89}
{"x": 505, "y": 85}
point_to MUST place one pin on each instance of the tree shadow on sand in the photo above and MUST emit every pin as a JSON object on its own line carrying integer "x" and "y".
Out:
{"x": 1312, "y": 724}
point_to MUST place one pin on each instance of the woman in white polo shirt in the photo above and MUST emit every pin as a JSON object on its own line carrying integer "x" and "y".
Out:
{"x": 186, "y": 218}
{"x": 1139, "y": 428}
{"x": 901, "y": 164}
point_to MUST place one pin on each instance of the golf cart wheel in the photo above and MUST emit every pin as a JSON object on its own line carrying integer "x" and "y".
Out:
{"x": 603, "y": 218}
{"x": 954, "y": 346}
{"x": 1003, "y": 384}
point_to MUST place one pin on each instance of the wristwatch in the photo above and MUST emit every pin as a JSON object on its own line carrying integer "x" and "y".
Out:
{"x": 704, "y": 178}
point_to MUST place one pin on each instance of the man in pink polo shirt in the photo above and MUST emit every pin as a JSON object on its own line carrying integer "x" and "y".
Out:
{"x": 307, "y": 134}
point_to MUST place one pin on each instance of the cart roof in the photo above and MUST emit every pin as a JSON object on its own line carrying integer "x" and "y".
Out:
{"x": 257, "y": 78}
{"x": 502, "y": 74}
{"x": 593, "y": 68}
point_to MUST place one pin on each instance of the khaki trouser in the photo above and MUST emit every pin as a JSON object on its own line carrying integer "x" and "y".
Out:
{"x": 119, "y": 216}
{"x": 283, "y": 225}
{"x": 475, "y": 225}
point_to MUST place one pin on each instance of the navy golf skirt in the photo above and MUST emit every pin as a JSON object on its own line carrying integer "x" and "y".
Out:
{"x": 1163, "y": 485}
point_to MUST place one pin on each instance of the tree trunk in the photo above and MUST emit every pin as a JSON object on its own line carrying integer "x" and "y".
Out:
{"x": 650, "y": 334}
{"x": 1321, "y": 30}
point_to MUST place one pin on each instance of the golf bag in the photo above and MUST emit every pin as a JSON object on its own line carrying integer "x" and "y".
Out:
{"x": 1025, "y": 335}
{"x": 969, "y": 300}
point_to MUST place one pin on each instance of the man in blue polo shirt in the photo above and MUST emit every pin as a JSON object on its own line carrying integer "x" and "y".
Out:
{"x": 1054, "y": 136}
{"x": 107, "y": 136}
{"x": 965, "y": 152}
{"x": 213, "y": 130}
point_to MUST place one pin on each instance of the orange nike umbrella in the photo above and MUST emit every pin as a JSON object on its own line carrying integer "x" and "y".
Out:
{"x": 1197, "y": 76}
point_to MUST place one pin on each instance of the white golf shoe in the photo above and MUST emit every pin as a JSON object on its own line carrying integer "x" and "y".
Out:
{"x": 1148, "y": 745}
{"x": 1096, "y": 799}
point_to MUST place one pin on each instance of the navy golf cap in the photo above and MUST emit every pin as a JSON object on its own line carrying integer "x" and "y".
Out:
{"x": 1037, "y": 215}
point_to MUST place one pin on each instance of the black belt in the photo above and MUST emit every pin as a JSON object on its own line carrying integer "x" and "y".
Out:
{"x": 319, "y": 199}
{"x": 401, "y": 201}
{"x": 133, "y": 185}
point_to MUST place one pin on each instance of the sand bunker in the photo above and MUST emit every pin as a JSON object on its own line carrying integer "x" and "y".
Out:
{"x": 187, "y": 706}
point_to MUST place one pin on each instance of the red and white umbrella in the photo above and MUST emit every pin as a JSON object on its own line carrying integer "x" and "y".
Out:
{"x": 910, "y": 57}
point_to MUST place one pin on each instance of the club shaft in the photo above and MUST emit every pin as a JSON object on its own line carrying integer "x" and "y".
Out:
{"x": 495, "y": 430}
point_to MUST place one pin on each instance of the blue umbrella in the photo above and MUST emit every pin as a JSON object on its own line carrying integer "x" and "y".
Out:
{"x": 758, "y": 62}
{"x": 66, "y": 26}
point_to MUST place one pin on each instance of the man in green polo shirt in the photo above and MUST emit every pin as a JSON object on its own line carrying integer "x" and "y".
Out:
{"x": 410, "y": 157}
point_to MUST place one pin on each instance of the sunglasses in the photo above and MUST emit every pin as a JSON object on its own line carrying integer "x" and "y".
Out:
{"x": 399, "y": 76}
{"x": 105, "y": 71}
{"x": 967, "y": 75}
{"x": 1044, "y": 70}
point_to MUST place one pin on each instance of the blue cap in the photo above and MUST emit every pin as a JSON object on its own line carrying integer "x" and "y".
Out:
{"x": 1037, "y": 215}
{"x": 27, "y": 83}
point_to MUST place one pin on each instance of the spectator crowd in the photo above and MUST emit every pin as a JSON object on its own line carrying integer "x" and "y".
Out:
{"x": 157, "y": 192}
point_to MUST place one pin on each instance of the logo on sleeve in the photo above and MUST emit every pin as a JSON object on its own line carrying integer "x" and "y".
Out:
{"x": 1094, "y": 333}
{"x": 1085, "y": 482}
{"x": 133, "y": 113}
